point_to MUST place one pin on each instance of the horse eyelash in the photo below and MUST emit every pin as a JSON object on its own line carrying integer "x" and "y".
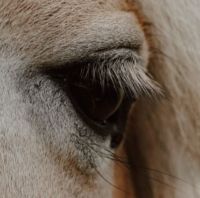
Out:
{"x": 127, "y": 75}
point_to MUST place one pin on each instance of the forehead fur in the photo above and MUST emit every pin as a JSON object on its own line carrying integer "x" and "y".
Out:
{"x": 49, "y": 31}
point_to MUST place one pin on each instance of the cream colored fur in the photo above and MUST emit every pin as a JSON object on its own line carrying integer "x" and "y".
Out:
{"x": 46, "y": 150}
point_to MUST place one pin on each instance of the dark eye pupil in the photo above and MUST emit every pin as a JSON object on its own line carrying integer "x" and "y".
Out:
{"x": 99, "y": 104}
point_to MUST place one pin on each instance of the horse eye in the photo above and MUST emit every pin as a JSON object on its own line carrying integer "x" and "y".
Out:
{"x": 102, "y": 108}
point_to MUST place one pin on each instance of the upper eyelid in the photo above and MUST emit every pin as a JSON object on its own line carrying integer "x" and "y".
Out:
{"x": 97, "y": 66}
{"x": 94, "y": 38}
{"x": 97, "y": 56}
{"x": 90, "y": 42}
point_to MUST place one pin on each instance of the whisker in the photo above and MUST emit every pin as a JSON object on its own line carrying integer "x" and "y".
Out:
{"x": 110, "y": 183}
{"x": 114, "y": 157}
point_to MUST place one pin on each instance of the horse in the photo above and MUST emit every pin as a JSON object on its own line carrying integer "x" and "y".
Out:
{"x": 94, "y": 89}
